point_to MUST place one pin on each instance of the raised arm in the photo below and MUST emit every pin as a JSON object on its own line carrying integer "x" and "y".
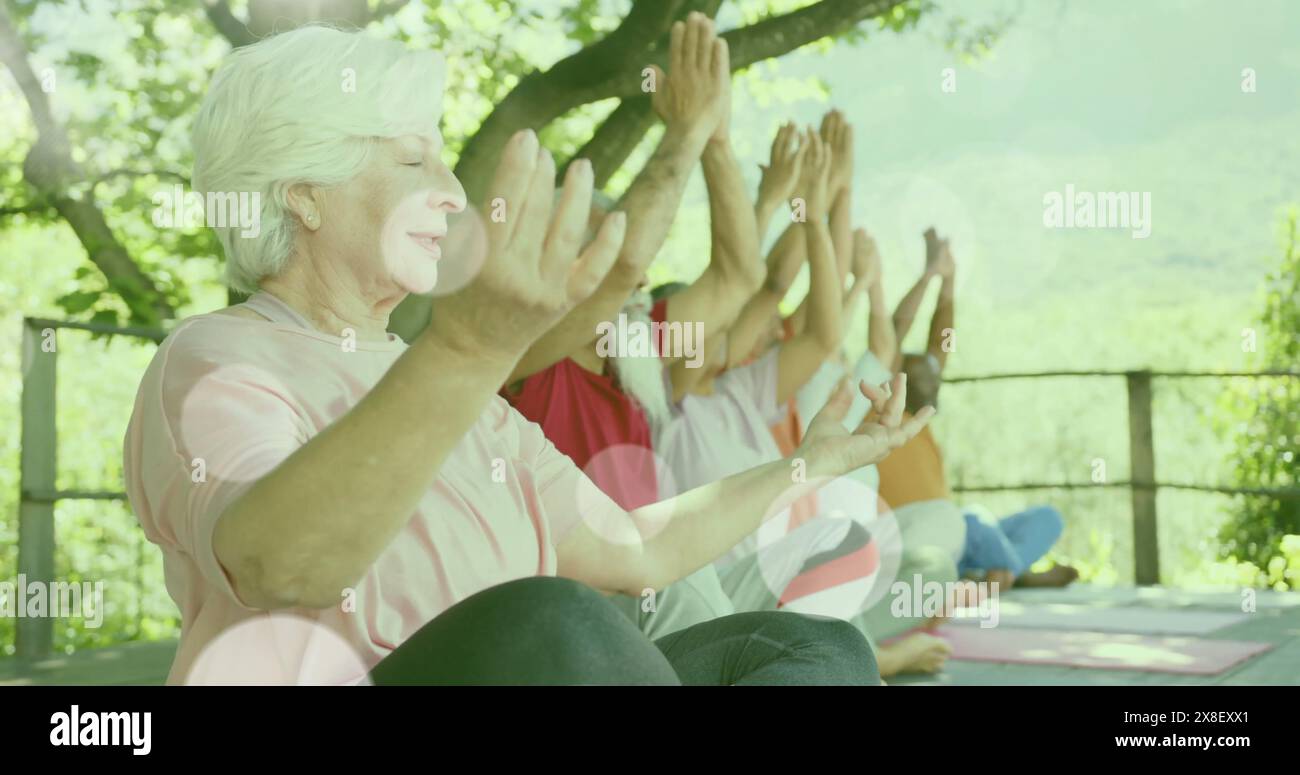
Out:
{"x": 314, "y": 524}
{"x": 942, "y": 320}
{"x": 689, "y": 102}
{"x": 780, "y": 175}
{"x": 838, "y": 136}
{"x": 735, "y": 270}
{"x": 802, "y": 354}
{"x": 905, "y": 312}
{"x": 683, "y": 534}
{"x": 881, "y": 339}
{"x": 764, "y": 307}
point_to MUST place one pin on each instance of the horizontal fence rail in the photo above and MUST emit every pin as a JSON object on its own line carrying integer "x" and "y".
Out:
{"x": 1143, "y": 484}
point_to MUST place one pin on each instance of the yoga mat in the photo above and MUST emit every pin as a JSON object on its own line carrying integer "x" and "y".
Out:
{"x": 1102, "y": 650}
{"x": 1069, "y": 616}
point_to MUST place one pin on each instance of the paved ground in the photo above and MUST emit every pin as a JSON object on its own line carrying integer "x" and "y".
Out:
{"x": 1276, "y": 620}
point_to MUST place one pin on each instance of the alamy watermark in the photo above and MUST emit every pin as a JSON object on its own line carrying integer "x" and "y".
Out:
{"x": 176, "y": 208}
{"x": 23, "y": 599}
{"x": 932, "y": 599}
{"x": 1100, "y": 210}
{"x": 96, "y": 728}
{"x": 639, "y": 339}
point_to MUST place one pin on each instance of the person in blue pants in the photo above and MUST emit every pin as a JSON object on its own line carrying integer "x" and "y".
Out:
{"x": 1003, "y": 550}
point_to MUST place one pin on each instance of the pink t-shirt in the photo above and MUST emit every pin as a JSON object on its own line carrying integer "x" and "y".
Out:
{"x": 226, "y": 399}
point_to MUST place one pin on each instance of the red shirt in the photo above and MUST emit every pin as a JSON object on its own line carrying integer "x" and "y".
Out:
{"x": 587, "y": 417}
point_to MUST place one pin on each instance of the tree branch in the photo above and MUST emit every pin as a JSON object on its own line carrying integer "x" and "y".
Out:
{"x": 230, "y": 27}
{"x": 772, "y": 37}
{"x": 169, "y": 174}
{"x": 542, "y": 96}
{"x": 49, "y": 169}
{"x": 621, "y": 132}
{"x": 616, "y": 138}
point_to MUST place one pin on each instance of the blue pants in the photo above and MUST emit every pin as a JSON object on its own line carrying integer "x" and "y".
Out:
{"x": 1014, "y": 543}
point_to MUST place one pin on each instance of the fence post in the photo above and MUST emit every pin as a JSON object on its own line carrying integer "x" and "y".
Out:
{"x": 34, "y": 636}
{"x": 1142, "y": 464}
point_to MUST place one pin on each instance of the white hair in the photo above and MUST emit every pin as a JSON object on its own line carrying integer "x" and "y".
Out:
{"x": 304, "y": 106}
{"x": 641, "y": 377}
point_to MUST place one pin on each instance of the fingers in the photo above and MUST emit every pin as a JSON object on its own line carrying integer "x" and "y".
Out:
{"x": 570, "y": 219}
{"x": 534, "y": 212}
{"x": 704, "y": 40}
{"x": 511, "y": 181}
{"x": 598, "y": 257}
{"x": 690, "y": 42}
{"x": 878, "y": 396}
{"x": 893, "y": 413}
{"x": 677, "y": 48}
{"x": 915, "y": 423}
{"x": 721, "y": 63}
{"x": 780, "y": 146}
{"x": 828, "y": 124}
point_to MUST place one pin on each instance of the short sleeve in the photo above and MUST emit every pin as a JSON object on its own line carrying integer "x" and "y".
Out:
{"x": 566, "y": 495}
{"x": 203, "y": 431}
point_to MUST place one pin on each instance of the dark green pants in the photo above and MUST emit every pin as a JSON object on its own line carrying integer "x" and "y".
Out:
{"x": 546, "y": 631}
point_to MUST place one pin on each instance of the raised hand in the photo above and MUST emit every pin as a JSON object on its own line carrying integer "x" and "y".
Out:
{"x": 946, "y": 264}
{"x": 814, "y": 177}
{"x": 830, "y": 450}
{"x": 866, "y": 257}
{"x": 781, "y": 173}
{"x": 838, "y": 136}
{"x": 533, "y": 272}
{"x": 695, "y": 96}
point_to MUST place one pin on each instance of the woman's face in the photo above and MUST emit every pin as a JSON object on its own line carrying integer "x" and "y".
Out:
{"x": 388, "y": 221}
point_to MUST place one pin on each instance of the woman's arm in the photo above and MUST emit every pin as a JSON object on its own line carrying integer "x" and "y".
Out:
{"x": 758, "y": 315}
{"x": 313, "y": 525}
{"x": 687, "y": 102}
{"x": 779, "y": 176}
{"x": 802, "y": 355}
{"x": 867, "y": 266}
{"x": 681, "y": 535}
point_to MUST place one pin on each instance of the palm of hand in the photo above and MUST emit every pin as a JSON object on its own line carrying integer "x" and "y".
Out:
{"x": 834, "y": 451}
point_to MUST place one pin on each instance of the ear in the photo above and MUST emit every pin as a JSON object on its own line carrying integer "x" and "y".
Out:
{"x": 305, "y": 202}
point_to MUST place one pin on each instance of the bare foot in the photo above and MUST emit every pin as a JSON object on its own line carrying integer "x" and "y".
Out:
{"x": 1004, "y": 578}
{"x": 1056, "y": 576}
{"x": 916, "y": 653}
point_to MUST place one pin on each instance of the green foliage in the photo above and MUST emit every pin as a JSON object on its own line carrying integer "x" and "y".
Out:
{"x": 1263, "y": 416}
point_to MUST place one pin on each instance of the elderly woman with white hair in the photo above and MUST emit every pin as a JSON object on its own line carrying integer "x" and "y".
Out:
{"x": 335, "y": 506}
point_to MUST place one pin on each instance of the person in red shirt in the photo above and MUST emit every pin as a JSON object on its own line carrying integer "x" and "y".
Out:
{"x": 592, "y": 406}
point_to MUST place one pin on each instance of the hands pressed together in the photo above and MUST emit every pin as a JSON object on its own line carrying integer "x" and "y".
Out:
{"x": 537, "y": 267}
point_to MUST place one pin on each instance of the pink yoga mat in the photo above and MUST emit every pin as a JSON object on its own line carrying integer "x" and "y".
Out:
{"x": 1142, "y": 621}
{"x": 1104, "y": 650}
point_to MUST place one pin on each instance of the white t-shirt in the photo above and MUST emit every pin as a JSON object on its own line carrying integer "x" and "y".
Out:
{"x": 858, "y": 495}
{"x": 715, "y": 436}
